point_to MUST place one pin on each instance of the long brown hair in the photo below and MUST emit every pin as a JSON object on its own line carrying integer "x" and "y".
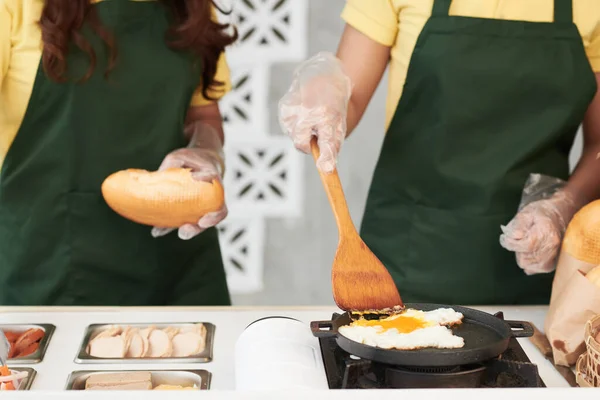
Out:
{"x": 194, "y": 30}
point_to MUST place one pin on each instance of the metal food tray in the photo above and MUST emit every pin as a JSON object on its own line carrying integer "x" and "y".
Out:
{"x": 39, "y": 354}
{"x": 27, "y": 382}
{"x": 199, "y": 378}
{"x": 203, "y": 357}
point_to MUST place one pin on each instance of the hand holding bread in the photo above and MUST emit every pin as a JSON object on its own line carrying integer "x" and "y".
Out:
{"x": 204, "y": 159}
{"x": 169, "y": 198}
{"x": 186, "y": 192}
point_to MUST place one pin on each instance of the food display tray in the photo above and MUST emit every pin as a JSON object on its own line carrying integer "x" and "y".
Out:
{"x": 92, "y": 330}
{"x": 39, "y": 354}
{"x": 27, "y": 382}
{"x": 199, "y": 378}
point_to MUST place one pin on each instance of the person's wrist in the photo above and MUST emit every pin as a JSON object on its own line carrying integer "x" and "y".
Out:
{"x": 218, "y": 161}
{"x": 564, "y": 205}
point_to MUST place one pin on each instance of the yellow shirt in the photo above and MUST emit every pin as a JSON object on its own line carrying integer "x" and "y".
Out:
{"x": 398, "y": 23}
{"x": 20, "y": 54}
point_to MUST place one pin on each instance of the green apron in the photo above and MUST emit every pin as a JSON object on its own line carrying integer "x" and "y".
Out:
{"x": 60, "y": 244}
{"x": 486, "y": 102}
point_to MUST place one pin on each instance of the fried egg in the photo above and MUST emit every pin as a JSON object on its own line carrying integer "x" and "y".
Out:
{"x": 409, "y": 330}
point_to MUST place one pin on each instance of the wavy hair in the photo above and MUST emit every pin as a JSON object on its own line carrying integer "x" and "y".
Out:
{"x": 194, "y": 30}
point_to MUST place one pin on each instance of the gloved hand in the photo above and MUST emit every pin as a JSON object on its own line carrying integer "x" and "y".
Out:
{"x": 317, "y": 104}
{"x": 204, "y": 156}
{"x": 535, "y": 233}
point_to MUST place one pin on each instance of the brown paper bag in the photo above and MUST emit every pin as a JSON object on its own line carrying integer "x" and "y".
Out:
{"x": 574, "y": 301}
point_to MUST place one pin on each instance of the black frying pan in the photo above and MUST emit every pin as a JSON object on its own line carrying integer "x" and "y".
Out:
{"x": 486, "y": 337}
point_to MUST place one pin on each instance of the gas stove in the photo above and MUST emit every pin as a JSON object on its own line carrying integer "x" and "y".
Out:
{"x": 511, "y": 369}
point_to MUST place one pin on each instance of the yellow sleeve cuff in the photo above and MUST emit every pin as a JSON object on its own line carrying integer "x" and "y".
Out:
{"x": 369, "y": 26}
{"x": 223, "y": 75}
{"x": 594, "y": 62}
{"x": 5, "y": 38}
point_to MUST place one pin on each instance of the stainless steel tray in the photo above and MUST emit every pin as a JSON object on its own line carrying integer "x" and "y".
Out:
{"x": 27, "y": 382}
{"x": 38, "y": 356}
{"x": 205, "y": 356}
{"x": 200, "y": 378}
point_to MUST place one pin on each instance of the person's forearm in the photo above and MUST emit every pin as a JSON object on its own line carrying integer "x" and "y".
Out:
{"x": 209, "y": 115}
{"x": 584, "y": 184}
{"x": 357, "y": 105}
{"x": 204, "y": 130}
{"x": 354, "y": 116}
{"x": 364, "y": 62}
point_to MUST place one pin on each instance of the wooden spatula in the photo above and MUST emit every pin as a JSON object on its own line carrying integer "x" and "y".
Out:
{"x": 360, "y": 281}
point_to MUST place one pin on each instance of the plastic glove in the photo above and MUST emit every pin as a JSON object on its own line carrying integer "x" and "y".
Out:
{"x": 317, "y": 104}
{"x": 204, "y": 156}
{"x": 535, "y": 233}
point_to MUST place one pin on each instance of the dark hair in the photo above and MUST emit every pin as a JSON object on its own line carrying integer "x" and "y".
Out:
{"x": 194, "y": 30}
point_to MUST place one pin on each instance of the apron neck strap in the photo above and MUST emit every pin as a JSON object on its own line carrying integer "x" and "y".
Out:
{"x": 563, "y": 9}
{"x": 441, "y": 8}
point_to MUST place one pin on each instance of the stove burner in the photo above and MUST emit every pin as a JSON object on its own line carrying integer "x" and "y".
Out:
{"x": 511, "y": 369}
{"x": 452, "y": 377}
{"x": 430, "y": 370}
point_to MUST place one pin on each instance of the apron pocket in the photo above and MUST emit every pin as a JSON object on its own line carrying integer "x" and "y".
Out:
{"x": 113, "y": 260}
{"x": 456, "y": 257}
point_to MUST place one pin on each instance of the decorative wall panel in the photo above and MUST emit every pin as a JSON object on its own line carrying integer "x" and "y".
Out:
{"x": 269, "y": 30}
{"x": 242, "y": 249}
{"x": 263, "y": 172}
{"x": 263, "y": 177}
{"x": 244, "y": 109}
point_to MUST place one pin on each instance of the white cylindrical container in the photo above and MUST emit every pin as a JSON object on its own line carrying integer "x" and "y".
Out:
{"x": 278, "y": 353}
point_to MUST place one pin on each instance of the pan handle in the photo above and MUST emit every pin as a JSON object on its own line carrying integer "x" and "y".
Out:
{"x": 525, "y": 329}
{"x": 323, "y": 329}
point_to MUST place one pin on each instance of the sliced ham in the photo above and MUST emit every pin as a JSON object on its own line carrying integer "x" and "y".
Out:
{"x": 138, "y": 346}
{"x": 107, "y": 347}
{"x": 111, "y": 331}
{"x": 171, "y": 332}
{"x": 146, "y": 331}
{"x": 197, "y": 328}
{"x": 160, "y": 345}
{"x": 129, "y": 342}
{"x": 128, "y": 335}
{"x": 187, "y": 344}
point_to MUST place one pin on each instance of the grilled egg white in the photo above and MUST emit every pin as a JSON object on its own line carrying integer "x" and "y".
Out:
{"x": 409, "y": 330}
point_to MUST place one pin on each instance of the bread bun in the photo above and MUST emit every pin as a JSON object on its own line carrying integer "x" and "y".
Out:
{"x": 166, "y": 199}
{"x": 594, "y": 276}
{"x": 582, "y": 238}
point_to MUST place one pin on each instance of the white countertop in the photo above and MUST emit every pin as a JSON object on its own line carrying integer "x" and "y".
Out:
{"x": 53, "y": 371}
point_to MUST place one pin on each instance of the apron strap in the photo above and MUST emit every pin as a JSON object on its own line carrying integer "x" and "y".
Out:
{"x": 441, "y": 8}
{"x": 563, "y": 11}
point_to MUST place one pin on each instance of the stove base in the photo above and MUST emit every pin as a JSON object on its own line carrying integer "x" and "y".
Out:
{"x": 511, "y": 369}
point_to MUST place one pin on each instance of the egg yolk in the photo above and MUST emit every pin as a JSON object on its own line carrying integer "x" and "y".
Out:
{"x": 403, "y": 324}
